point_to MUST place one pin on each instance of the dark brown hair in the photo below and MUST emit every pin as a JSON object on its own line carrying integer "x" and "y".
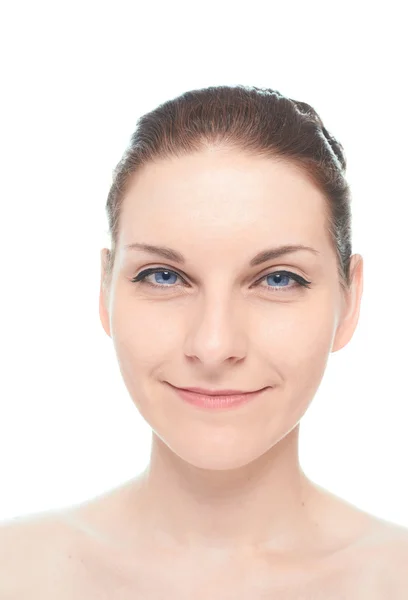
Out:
{"x": 258, "y": 121}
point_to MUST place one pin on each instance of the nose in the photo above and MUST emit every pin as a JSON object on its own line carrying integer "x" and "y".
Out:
{"x": 217, "y": 334}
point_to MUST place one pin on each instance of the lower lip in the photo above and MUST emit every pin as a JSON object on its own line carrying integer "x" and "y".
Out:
{"x": 217, "y": 402}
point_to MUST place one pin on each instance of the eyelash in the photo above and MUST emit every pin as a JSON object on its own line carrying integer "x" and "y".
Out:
{"x": 141, "y": 278}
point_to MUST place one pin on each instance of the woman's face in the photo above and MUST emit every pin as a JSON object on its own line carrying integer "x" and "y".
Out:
{"x": 215, "y": 321}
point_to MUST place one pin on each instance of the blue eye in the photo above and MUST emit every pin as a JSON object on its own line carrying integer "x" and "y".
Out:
{"x": 165, "y": 276}
{"x": 281, "y": 276}
{"x": 168, "y": 279}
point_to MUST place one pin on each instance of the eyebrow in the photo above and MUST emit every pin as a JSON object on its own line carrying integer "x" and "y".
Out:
{"x": 261, "y": 257}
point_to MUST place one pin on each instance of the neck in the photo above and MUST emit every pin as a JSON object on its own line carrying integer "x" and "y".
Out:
{"x": 268, "y": 503}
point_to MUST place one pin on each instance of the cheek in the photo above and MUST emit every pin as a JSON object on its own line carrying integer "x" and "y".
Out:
{"x": 143, "y": 333}
{"x": 297, "y": 340}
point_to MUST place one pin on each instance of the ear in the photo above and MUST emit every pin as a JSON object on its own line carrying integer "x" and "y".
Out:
{"x": 104, "y": 293}
{"x": 351, "y": 305}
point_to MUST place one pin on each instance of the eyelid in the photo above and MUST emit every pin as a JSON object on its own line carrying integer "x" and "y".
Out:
{"x": 264, "y": 271}
{"x": 279, "y": 268}
{"x": 177, "y": 271}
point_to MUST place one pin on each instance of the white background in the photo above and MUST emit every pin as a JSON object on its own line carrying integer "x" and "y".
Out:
{"x": 74, "y": 79}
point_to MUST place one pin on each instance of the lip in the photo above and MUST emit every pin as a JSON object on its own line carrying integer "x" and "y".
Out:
{"x": 205, "y": 392}
{"x": 219, "y": 401}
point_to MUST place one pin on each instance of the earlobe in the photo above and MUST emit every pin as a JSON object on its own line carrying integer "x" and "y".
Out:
{"x": 104, "y": 293}
{"x": 351, "y": 305}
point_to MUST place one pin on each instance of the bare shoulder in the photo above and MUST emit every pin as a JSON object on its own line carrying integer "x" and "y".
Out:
{"x": 393, "y": 539}
{"x": 388, "y": 559}
{"x": 396, "y": 547}
{"x": 34, "y": 551}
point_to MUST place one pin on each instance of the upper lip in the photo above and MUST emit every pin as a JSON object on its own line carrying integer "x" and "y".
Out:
{"x": 199, "y": 390}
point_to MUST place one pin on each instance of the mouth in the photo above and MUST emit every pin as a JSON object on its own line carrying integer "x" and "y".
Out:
{"x": 222, "y": 399}
{"x": 228, "y": 392}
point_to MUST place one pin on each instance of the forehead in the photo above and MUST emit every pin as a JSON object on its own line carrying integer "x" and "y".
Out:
{"x": 219, "y": 194}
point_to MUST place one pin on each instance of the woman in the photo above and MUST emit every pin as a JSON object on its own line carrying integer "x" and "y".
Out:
{"x": 231, "y": 274}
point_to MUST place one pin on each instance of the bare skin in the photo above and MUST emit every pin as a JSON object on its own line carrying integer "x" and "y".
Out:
{"x": 82, "y": 553}
{"x": 224, "y": 509}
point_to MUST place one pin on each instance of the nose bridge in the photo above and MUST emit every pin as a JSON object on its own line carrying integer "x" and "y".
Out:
{"x": 218, "y": 331}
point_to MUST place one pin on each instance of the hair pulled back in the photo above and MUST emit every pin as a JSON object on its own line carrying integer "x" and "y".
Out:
{"x": 259, "y": 121}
